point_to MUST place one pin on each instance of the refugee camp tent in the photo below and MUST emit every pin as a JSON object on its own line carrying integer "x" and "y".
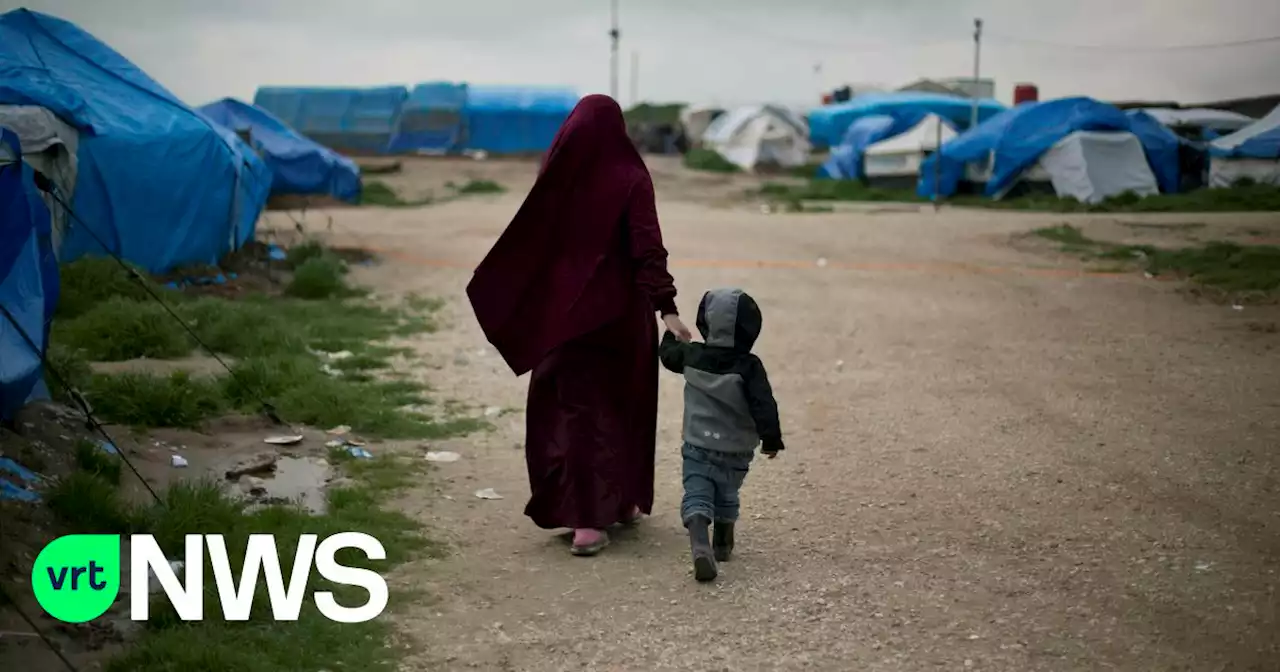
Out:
{"x": 999, "y": 151}
{"x": 1200, "y": 118}
{"x": 49, "y": 146}
{"x": 298, "y": 165}
{"x": 1251, "y": 153}
{"x": 28, "y": 279}
{"x": 352, "y": 120}
{"x": 759, "y": 135}
{"x": 896, "y": 161}
{"x": 1157, "y": 138}
{"x": 696, "y": 119}
{"x": 827, "y": 124}
{"x": 515, "y": 119}
{"x": 431, "y": 120}
{"x": 157, "y": 183}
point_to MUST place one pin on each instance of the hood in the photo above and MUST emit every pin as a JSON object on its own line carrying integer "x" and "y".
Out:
{"x": 729, "y": 318}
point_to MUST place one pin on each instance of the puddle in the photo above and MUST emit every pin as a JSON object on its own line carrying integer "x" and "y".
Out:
{"x": 295, "y": 479}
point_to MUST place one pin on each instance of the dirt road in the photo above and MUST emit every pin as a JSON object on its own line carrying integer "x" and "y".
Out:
{"x": 995, "y": 462}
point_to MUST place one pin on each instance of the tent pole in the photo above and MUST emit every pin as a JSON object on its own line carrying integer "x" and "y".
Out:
{"x": 613, "y": 49}
{"x": 977, "y": 59}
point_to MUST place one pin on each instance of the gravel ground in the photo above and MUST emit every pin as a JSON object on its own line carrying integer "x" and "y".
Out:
{"x": 995, "y": 460}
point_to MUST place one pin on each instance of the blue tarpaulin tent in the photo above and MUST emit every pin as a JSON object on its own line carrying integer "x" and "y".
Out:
{"x": 28, "y": 279}
{"x": 298, "y": 165}
{"x": 346, "y": 119}
{"x": 431, "y": 119}
{"x": 827, "y": 124}
{"x": 157, "y": 183}
{"x": 1017, "y": 138}
{"x": 515, "y": 119}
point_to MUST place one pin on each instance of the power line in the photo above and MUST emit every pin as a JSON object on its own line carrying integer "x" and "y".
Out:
{"x": 1023, "y": 41}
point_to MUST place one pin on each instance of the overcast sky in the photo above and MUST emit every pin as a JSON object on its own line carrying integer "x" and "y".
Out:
{"x": 717, "y": 51}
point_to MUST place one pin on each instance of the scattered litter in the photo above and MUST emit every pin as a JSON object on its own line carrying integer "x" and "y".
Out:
{"x": 822, "y": 262}
{"x": 765, "y": 209}
{"x": 442, "y": 456}
{"x": 262, "y": 463}
{"x": 340, "y": 355}
{"x": 330, "y": 371}
{"x": 1237, "y": 307}
{"x": 178, "y": 461}
{"x": 359, "y": 453}
{"x": 974, "y": 638}
{"x": 340, "y": 430}
{"x": 283, "y": 440}
{"x": 10, "y": 491}
{"x": 108, "y": 447}
{"x": 18, "y": 470}
{"x": 1204, "y": 566}
{"x": 1148, "y": 275}
{"x": 353, "y": 442}
{"x": 488, "y": 493}
{"x": 492, "y": 412}
{"x": 335, "y": 444}
{"x": 274, "y": 253}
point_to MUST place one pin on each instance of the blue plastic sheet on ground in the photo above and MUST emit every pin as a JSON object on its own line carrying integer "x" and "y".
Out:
{"x": 25, "y": 475}
{"x": 9, "y": 491}
{"x": 1019, "y": 136}
{"x": 28, "y": 280}
{"x": 298, "y": 165}
{"x": 827, "y": 124}
{"x": 157, "y": 183}
{"x": 515, "y": 119}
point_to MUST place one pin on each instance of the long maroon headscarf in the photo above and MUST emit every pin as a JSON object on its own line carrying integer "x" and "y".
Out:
{"x": 557, "y": 272}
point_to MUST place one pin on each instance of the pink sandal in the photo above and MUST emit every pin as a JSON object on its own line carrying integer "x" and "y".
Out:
{"x": 633, "y": 517}
{"x": 587, "y": 542}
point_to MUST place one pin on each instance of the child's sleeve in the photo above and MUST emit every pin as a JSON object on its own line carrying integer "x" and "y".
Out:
{"x": 764, "y": 408}
{"x": 672, "y": 353}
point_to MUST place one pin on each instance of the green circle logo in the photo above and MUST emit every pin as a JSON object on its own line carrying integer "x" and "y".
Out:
{"x": 76, "y": 578}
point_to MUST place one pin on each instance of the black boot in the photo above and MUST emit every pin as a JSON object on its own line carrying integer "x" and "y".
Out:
{"x": 704, "y": 562}
{"x": 722, "y": 540}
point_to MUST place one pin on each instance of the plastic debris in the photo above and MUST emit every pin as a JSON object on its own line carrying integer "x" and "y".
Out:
{"x": 1237, "y": 307}
{"x": 108, "y": 447}
{"x": 340, "y": 355}
{"x": 442, "y": 456}
{"x": 334, "y": 444}
{"x": 12, "y": 492}
{"x": 178, "y": 461}
{"x": 283, "y": 440}
{"x": 488, "y": 493}
{"x": 359, "y": 453}
{"x": 18, "y": 470}
{"x": 822, "y": 262}
{"x": 492, "y": 412}
{"x": 274, "y": 253}
{"x": 340, "y": 430}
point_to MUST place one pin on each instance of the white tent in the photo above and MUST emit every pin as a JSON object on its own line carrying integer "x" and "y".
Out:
{"x": 899, "y": 157}
{"x": 1261, "y": 167}
{"x": 759, "y": 135}
{"x": 696, "y": 119}
{"x": 1089, "y": 166}
{"x": 49, "y": 145}
{"x": 1200, "y": 117}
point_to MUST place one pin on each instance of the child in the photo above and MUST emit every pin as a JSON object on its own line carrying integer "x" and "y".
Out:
{"x": 729, "y": 409}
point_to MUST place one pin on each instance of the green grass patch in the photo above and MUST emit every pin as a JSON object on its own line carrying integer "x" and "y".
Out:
{"x": 481, "y": 187}
{"x": 379, "y": 193}
{"x": 303, "y": 252}
{"x": 1230, "y": 267}
{"x": 321, "y": 277}
{"x": 708, "y": 160}
{"x": 119, "y": 329}
{"x": 144, "y": 400}
{"x": 86, "y": 503}
{"x": 93, "y": 460}
{"x": 87, "y": 283}
{"x": 1242, "y": 198}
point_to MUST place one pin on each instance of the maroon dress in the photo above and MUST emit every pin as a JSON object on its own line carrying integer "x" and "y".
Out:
{"x": 569, "y": 292}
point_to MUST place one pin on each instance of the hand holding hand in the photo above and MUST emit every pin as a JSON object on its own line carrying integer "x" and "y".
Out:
{"x": 676, "y": 326}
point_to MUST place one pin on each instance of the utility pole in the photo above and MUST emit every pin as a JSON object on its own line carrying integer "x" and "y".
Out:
{"x": 635, "y": 78}
{"x": 977, "y": 60}
{"x": 613, "y": 51}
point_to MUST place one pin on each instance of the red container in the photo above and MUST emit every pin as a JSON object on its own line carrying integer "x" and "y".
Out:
{"x": 1025, "y": 93}
{"x": 827, "y": 98}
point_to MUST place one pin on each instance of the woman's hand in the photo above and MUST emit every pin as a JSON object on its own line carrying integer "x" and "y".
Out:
{"x": 676, "y": 326}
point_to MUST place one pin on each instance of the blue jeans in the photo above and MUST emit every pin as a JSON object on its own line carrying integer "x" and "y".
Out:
{"x": 711, "y": 483}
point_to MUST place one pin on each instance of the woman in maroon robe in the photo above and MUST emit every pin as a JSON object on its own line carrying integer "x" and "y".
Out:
{"x": 569, "y": 292}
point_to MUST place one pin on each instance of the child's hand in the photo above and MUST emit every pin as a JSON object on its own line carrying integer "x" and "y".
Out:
{"x": 772, "y": 455}
{"x": 676, "y": 326}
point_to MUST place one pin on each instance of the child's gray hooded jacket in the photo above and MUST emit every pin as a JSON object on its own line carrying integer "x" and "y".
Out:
{"x": 728, "y": 404}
